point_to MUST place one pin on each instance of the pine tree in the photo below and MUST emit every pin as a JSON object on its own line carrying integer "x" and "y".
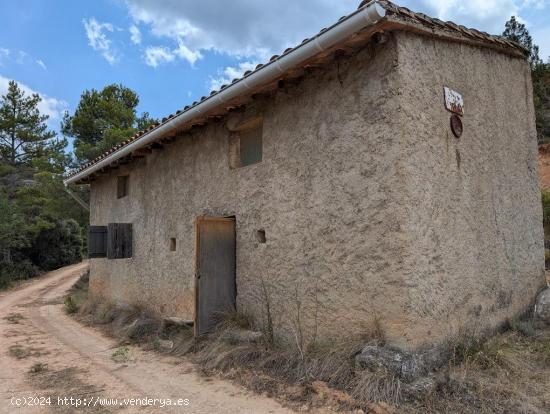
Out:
{"x": 518, "y": 33}
{"x": 540, "y": 73}
{"x": 23, "y": 131}
{"x": 103, "y": 119}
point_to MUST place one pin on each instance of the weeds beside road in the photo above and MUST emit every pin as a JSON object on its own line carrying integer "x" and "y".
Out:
{"x": 55, "y": 356}
{"x": 505, "y": 373}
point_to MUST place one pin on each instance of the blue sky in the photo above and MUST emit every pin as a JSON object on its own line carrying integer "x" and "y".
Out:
{"x": 172, "y": 52}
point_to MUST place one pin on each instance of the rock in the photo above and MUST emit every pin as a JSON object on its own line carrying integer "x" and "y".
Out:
{"x": 542, "y": 307}
{"x": 403, "y": 364}
{"x": 420, "y": 387}
{"x": 409, "y": 366}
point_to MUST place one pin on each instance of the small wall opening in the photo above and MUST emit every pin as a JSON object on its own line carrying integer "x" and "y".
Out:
{"x": 260, "y": 236}
{"x": 123, "y": 182}
{"x": 245, "y": 145}
{"x": 173, "y": 244}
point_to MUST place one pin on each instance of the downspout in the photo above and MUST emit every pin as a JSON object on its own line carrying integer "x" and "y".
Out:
{"x": 363, "y": 17}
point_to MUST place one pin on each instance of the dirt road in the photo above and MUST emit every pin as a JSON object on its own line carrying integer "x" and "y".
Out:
{"x": 45, "y": 353}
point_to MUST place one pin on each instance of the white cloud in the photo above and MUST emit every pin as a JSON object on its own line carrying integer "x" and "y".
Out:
{"x": 536, "y": 4}
{"x": 19, "y": 57}
{"x": 248, "y": 29}
{"x": 4, "y": 54}
{"x": 486, "y": 15}
{"x": 254, "y": 30}
{"x": 135, "y": 35}
{"x": 185, "y": 53}
{"x": 156, "y": 55}
{"x": 48, "y": 106}
{"x": 98, "y": 40}
{"x": 489, "y": 15}
{"x": 229, "y": 73}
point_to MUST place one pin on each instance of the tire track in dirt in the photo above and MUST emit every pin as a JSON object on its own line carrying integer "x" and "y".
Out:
{"x": 79, "y": 361}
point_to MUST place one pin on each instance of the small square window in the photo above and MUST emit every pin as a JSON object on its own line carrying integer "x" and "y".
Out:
{"x": 123, "y": 182}
{"x": 173, "y": 244}
{"x": 250, "y": 146}
{"x": 245, "y": 147}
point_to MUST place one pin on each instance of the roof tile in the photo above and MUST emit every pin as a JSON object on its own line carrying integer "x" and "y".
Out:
{"x": 392, "y": 9}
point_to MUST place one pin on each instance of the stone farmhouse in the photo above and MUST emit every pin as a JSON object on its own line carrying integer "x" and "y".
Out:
{"x": 381, "y": 173}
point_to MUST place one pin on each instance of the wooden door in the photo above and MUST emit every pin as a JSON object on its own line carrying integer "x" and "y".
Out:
{"x": 215, "y": 271}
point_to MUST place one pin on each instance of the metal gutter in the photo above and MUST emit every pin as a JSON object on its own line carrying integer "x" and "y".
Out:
{"x": 365, "y": 16}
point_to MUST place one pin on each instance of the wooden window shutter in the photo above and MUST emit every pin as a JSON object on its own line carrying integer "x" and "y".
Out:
{"x": 119, "y": 240}
{"x": 97, "y": 242}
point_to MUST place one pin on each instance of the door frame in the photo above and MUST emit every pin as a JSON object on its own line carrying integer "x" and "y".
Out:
{"x": 198, "y": 221}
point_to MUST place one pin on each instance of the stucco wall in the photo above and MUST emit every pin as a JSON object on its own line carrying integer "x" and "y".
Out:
{"x": 368, "y": 215}
{"x": 475, "y": 212}
{"x": 327, "y": 194}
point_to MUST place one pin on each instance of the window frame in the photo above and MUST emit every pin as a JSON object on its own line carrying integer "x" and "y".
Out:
{"x": 251, "y": 131}
{"x": 123, "y": 186}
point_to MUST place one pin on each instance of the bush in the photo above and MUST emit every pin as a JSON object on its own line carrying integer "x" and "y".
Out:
{"x": 70, "y": 305}
{"x": 57, "y": 247}
{"x": 13, "y": 272}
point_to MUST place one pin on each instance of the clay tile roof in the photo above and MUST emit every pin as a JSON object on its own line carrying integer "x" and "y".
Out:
{"x": 399, "y": 16}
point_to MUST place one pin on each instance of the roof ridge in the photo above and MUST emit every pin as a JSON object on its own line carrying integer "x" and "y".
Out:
{"x": 393, "y": 10}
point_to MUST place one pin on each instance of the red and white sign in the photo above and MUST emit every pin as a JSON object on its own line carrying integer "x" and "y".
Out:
{"x": 454, "y": 101}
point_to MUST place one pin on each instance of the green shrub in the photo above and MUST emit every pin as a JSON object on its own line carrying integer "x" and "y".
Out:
{"x": 58, "y": 246}
{"x": 524, "y": 327}
{"x": 121, "y": 355}
{"x": 13, "y": 272}
{"x": 70, "y": 305}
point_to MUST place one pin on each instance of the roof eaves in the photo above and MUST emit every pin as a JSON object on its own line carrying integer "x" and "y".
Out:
{"x": 395, "y": 14}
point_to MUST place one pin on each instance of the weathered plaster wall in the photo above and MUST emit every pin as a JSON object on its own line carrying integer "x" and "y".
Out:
{"x": 474, "y": 213}
{"x": 328, "y": 194}
{"x": 372, "y": 210}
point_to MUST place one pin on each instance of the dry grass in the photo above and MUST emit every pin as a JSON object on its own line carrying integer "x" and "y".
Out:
{"x": 78, "y": 294}
{"x": 508, "y": 372}
{"x": 14, "y": 318}
{"x": 67, "y": 382}
{"x": 121, "y": 355}
{"x": 129, "y": 323}
{"x": 19, "y": 352}
{"x": 38, "y": 367}
{"x": 285, "y": 370}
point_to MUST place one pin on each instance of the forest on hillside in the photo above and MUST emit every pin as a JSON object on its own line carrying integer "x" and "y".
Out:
{"x": 42, "y": 226}
{"x": 540, "y": 74}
